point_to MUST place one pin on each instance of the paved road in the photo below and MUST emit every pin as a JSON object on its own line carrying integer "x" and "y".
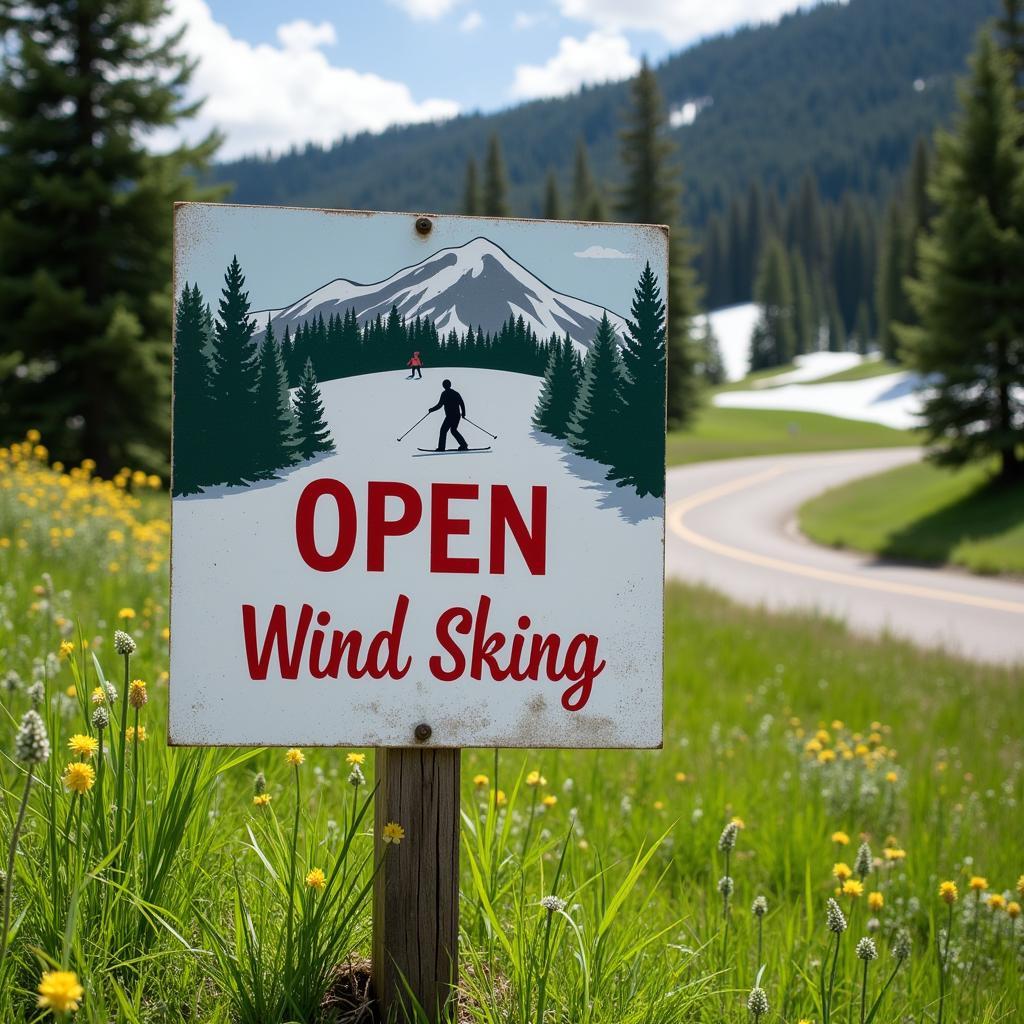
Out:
{"x": 732, "y": 525}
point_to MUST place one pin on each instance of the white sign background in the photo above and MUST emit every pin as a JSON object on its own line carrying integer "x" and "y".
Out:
{"x": 233, "y": 546}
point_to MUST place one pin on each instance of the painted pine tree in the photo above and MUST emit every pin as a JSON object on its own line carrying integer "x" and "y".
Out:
{"x": 273, "y": 427}
{"x": 234, "y": 380}
{"x": 640, "y": 460}
{"x": 970, "y": 293}
{"x": 193, "y": 397}
{"x": 596, "y": 427}
{"x": 558, "y": 393}
{"x": 311, "y": 427}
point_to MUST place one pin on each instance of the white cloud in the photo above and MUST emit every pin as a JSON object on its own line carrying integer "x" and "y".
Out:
{"x": 426, "y": 10}
{"x": 600, "y": 57}
{"x": 471, "y": 22}
{"x": 265, "y": 97}
{"x": 678, "y": 21}
{"x": 524, "y": 20}
{"x": 602, "y": 252}
{"x": 304, "y": 35}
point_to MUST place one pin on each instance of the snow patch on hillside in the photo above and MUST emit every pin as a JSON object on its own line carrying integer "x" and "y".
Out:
{"x": 732, "y": 327}
{"x": 892, "y": 400}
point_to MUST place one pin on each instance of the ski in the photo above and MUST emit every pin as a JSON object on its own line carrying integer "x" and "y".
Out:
{"x": 450, "y": 451}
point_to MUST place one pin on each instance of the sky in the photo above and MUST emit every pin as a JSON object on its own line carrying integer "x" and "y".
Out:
{"x": 276, "y": 75}
{"x": 599, "y": 263}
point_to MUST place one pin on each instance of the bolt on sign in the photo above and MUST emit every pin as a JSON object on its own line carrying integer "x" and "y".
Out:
{"x": 418, "y": 480}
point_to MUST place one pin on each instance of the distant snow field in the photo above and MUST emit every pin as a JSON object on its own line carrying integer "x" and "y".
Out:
{"x": 892, "y": 400}
{"x": 732, "y": 327}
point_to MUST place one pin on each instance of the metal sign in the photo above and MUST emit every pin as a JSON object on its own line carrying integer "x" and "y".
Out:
{"x": 418, "y": 480}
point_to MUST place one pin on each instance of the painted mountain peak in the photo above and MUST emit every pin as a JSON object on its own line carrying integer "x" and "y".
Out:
{"x": 477, "y": 284}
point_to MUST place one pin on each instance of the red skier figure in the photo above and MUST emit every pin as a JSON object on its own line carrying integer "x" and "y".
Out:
{"x": 415, "y": 363}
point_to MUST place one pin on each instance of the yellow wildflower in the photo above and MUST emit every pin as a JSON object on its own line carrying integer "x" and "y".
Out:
{"x": 500, "y": 798}
{"x": 550, "y": 800}
{"x": 82, "y": 745}
{"x": 261, "y": 799}
{"x": 979, "y": 883}
{"x": 826, "y": 757}
{"x": 480, "y": 781}
{"x": 67, "y": 648}
{"x": 894, "y": 853}
{"x": 393, "y": 833}
{"x": 125, "y": 614}
{"x": 1013, "y": 909}
{"x": 71, "y": 691}
{"x": 875, "y": 901}
{"x": 316, "y": 879}
{"x": 136, "y": 735}
{"x": 98, "y": 695}
{"x": 1020, "y": 885}
{"x": 891, "y": 777}
{"x": 294, "y": 757}
{"x": 853, "y": 887}
{"x": 536, "y": 779}
{"x": 79, "y": 777}
{"x": 840, "y": 838}
{"x": 948, "y": 892}
{"x": 137, "y": 694}
{"x": 842, "y": 871}
{"x": 353, "y": 758}
{"x": 997, "y": 901}
{"x": 738, "y": 822}
{"x": 680, "y": 776}
{"x": 60, "y": 991}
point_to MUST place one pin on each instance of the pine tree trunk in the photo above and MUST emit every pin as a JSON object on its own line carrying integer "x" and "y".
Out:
{"x": 1011, "y": 468}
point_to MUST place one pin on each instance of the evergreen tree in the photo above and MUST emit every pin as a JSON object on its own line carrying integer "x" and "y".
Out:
{"x": 272, "y": 430}
{"x": 805, "y": 325}
{"x": 234, "y": 379}
{"x": 85, "y": 231}
{"x": 891, "y": 300}
{"x": 773, "y": 340}
{"x": 313, "y": 436}
{"x": 558, "y": 393}
{"x": 583, "y": 186}
{"x": 640, "y": 462}
{"x": 193, "y": 396}
{"x": 970, "y": 293}
{"x": 650, "y": 195}
{"x": 472, "y": 204}
{"x": 834, "y": 320}
{"x": 552, "y": 202}
{"x": 1011, "y": 32}
{"x": 495, "y": 200}
{"x": 862, "y": 328}
{"x": 595, "y": 430}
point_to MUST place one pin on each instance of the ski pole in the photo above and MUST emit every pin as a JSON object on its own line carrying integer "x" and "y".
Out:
{"x": 478, "y": 427}
{"x": 413, "y": 427}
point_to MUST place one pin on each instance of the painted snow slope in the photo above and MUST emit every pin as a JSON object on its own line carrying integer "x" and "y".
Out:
{"x": 605, "y": 559}
{"x": 892, "y": 400}
{"x": 477, "y": 284}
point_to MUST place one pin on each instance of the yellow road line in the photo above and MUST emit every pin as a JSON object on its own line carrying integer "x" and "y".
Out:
{"x": 679, "y": 509}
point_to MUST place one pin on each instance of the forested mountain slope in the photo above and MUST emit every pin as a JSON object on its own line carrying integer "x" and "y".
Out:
{"x": 842, "y": 90}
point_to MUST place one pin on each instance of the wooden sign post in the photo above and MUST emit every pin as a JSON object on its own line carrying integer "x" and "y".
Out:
{"x": 416, "y": 894}
{"x": 418, "y": 505}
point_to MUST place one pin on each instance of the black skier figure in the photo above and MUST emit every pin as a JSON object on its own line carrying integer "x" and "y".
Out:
{"x": 454, "y": 410}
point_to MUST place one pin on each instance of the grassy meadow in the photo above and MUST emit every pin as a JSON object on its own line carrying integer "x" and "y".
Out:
{"x": 689, "y": 884}
{"x": 923, "y": 513}
{"x": 719, "y": 433}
